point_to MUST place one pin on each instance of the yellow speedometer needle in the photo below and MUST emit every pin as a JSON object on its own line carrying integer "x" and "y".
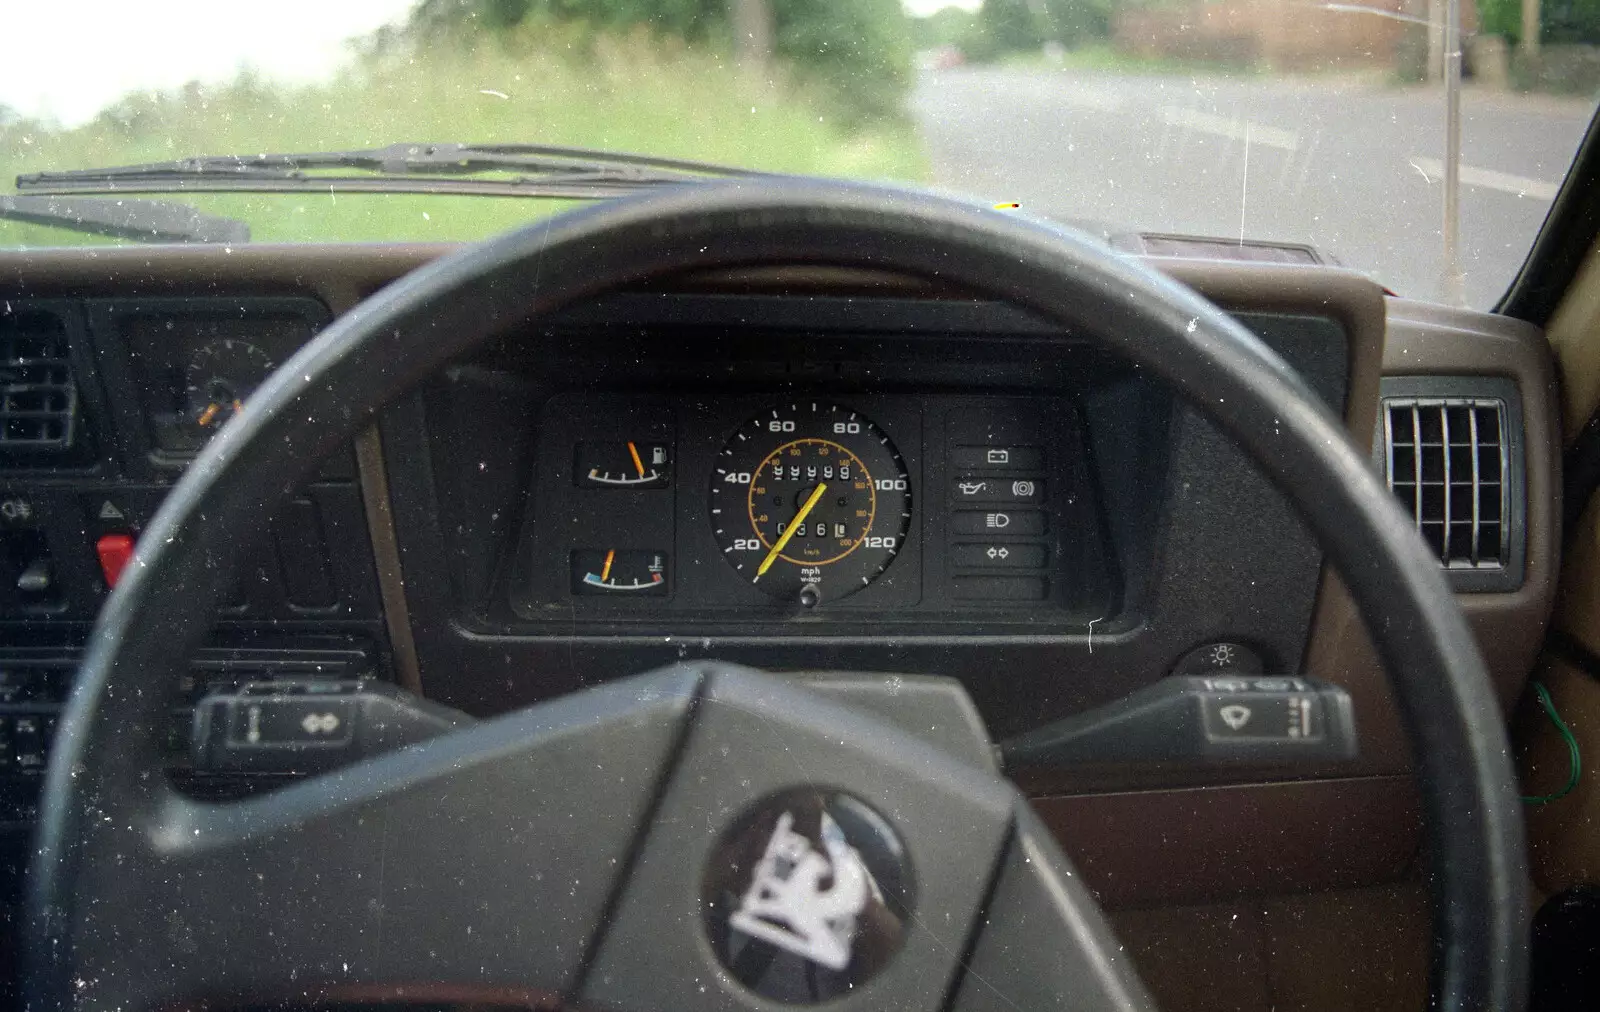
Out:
{"x": 794, "y": 525}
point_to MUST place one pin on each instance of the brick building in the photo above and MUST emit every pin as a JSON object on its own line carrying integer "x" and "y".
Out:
{"x": 1278, "y": 34}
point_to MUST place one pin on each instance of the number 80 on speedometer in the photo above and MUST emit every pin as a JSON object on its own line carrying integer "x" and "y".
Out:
{"x": 810, "y": 502}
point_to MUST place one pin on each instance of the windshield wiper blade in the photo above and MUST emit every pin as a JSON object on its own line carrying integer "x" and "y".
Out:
{"x": 521, "y": 170}
{"x": 144, "y": 220}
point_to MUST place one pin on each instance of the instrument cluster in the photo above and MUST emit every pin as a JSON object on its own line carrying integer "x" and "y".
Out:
{"x": 801, "y": 507}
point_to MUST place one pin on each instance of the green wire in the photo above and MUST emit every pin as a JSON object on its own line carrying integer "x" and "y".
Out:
{"x": 1574, "y": 761}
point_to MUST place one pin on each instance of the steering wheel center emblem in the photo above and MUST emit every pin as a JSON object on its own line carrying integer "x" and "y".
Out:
{"x": 789, "y": 904}
{"x": 807, "y": 896}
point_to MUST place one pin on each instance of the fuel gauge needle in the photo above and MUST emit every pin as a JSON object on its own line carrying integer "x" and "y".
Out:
{"x": 605, "y": 570}
{"x": 636, "y": 461}
{"x": 794, "y": 525}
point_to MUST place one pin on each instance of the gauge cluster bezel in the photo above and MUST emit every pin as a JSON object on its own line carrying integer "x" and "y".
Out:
{"x": 1182, "y": 508}
{"x": 921, "y": 587}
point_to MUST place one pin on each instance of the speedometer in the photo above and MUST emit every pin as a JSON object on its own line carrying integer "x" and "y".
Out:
{"x": 810, "y": 502}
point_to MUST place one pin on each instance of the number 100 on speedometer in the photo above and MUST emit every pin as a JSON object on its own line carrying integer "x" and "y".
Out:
{"x": 810, "y": 502}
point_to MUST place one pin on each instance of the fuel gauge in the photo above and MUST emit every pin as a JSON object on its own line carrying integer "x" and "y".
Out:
{"x": 620, "y": 465}
{"x": 597, "y": 571}
{"x": 220, "y": 378}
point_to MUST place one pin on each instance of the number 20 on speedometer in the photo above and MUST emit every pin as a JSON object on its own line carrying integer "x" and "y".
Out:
{"x": 810, "y": 502}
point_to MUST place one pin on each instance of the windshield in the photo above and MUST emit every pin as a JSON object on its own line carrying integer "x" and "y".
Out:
{"x": 1290, "y": 122}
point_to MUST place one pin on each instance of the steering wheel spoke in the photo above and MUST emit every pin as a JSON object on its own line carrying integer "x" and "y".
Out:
{"x": 1042, "y": 941}
{"x": 474, "y": 866}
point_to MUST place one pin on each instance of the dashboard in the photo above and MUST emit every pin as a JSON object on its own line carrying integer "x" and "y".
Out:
{"x": 802, "y": 470}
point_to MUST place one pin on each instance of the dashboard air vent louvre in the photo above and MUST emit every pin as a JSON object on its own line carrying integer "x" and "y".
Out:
{"x": 38, "y": 395}
{"x": 1447, "y": 462}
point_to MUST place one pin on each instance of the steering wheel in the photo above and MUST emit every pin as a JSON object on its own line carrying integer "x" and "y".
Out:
{"x": 704, "y": 836}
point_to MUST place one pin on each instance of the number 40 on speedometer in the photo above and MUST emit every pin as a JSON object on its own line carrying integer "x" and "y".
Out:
{"x": 810, "y": 502}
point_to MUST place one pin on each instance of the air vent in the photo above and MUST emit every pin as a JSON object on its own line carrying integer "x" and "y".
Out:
{"x": 38, "y": 398}
{"x": 1451, "y": 451}
{"x": 1447, "y": 465}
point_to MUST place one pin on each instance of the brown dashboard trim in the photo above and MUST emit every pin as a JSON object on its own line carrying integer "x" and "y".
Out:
{"x": 339, "y": 274}
{"x": 374, "y": 476}
{"x": 1425, "y": 339}
{"x": 1144, "y": 848}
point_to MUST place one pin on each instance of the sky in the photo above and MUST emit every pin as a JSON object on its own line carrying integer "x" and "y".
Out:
{"x": 66, "y": 60}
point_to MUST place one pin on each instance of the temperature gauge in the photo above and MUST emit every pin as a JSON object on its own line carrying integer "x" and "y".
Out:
{"x": 598, "y": 571}
{"x": 622, "y": 465}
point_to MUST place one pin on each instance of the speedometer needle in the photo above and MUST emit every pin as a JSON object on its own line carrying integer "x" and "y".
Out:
{"x": 794, "y": 525}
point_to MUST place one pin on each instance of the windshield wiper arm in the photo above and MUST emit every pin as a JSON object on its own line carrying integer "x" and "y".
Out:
{"x": 145, "y": 220}
{"x": 520, "y": 170}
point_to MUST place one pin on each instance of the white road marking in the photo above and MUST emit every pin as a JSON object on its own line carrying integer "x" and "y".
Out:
{"x": 1232, "y": 128}
{"x": 1489, "y": 179}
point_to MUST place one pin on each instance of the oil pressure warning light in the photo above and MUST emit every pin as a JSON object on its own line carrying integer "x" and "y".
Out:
{"x": 627, "y": 573}
{"x": 623, "y": 465}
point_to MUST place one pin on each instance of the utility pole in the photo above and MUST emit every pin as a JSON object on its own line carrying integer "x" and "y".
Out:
{"x": 1436, "y": 19}
{"x": 1454, "y": 280}
{"x": 1530, "y": 28}
{"x": 752, "y": 35}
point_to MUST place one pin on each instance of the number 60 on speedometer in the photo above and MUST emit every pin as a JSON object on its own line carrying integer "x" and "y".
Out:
{"x": 810, "y": 502}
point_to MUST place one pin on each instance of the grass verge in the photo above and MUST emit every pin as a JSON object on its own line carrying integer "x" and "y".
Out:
{"x": 633, "y": 93}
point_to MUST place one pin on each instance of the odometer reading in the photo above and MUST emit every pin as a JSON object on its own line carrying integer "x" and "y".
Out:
{"x": 810, "y": 502}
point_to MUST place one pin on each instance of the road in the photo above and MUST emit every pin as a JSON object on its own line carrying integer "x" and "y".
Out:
{"x": 1352, "y": 168}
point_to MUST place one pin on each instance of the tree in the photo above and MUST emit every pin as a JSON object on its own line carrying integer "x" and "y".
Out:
{"x": 947, "y": 26}
{"x": 858, "y": 50}
{"x": 752, "y": 33}
{"x": 1534, "y": 22}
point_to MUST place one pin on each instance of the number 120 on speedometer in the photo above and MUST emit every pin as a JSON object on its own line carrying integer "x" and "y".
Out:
{"x": 810, "y": 502}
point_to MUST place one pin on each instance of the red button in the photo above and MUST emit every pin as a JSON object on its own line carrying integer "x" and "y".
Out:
{"x": 115, "y": 550}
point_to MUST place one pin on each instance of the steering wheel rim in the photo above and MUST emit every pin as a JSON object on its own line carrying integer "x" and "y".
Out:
{"x": 104, "y": 770}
